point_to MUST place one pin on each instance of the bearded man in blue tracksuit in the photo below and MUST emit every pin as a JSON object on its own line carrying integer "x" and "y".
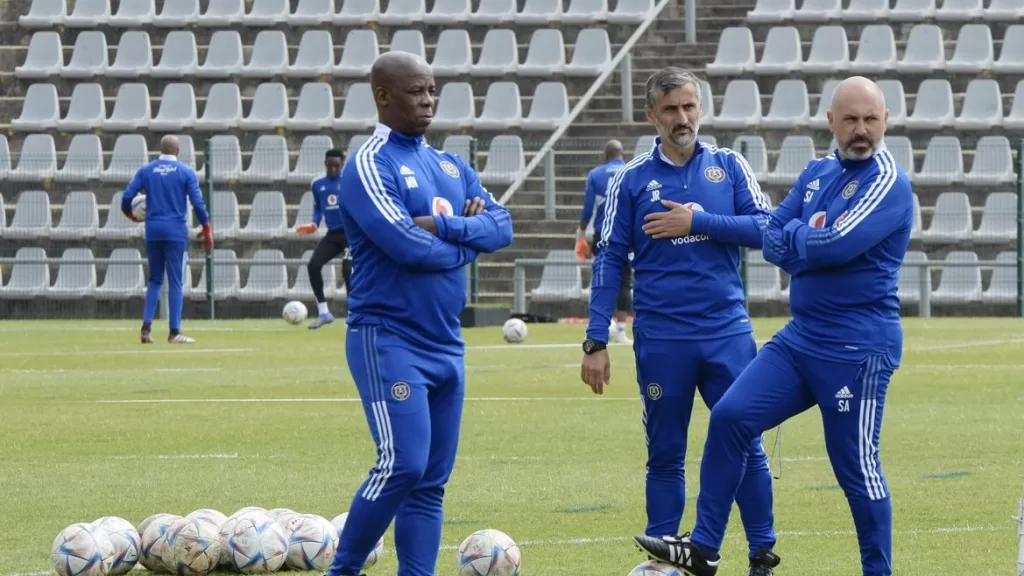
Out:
{"x": 415, "y": 217}
{"x": 842, "y": 233}
{"x": 683, "y": 208}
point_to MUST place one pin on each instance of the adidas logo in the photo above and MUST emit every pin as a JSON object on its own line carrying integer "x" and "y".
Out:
{"x": 844, "y": 394}
{"x": 653, "y": 185}
{"x": 814, "y": 185}
{"x": 405, "y": 171}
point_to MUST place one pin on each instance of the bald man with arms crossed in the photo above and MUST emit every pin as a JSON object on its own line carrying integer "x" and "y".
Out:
{"x": 842, "y": 233}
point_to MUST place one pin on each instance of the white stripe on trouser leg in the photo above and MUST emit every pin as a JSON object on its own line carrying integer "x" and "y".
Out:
{"x": 872, "y": 448}
{"x": 866, "y": 424}
{"x": 643, "y": 408}
{"x": 391, "y": 452}
{"x": 378, "y": 406}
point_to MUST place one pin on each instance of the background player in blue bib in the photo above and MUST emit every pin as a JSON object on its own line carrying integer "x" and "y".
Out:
{"x": 842, "y": 233}
{"x": 403, "y": 207}
{"x": 684, "y": 208}
{"x": 326, "y": 190}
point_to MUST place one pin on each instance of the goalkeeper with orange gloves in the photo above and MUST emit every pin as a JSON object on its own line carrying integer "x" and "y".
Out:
{"x": 326, "y": 192}
{"x": 593, "y": 214}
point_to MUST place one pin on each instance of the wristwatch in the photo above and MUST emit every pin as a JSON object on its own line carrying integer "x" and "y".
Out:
{"x": 590, "y": 346}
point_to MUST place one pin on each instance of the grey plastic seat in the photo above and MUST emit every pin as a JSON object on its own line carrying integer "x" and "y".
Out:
{"x": 499, "y": 54}
{"x": 315, "y": 56}
{"x": 960, "y": 10}
{"x": 865, "y": 11}
{"x": 354, "y": 143}
{"x": 561, "y": 278}
{"x": 37, "y": 161}
{"x": 790, "y": 106}
{"x": 876, "y": 50}
{"x": 782, "y": 52}
{"x": 764, "y": 282}
{"x": 269, "y": 160}
{"x": 223, "y": 55}
{"x": 89, "y": 57}
{"x": 268, "y": 277}
{"x": 269, "y": 108}
{"x": 951, "y": 220}
{"x": 458, "y": 144}
{"x": 84, "y": 160}
{"x": 357, "y": 13}
{"x": 124, "y": 277}
{"x": 133, "y": 14}
{"x": 707, "y": 108}
{"x": 448, "y": 12}
{"x": 315, "y": 108}
{"x": 494, "y": 13}
{"x": 820, "y": 120}
{"x": 539, "y": 13}
{"x": 269, "y": 56}
{"x": 1015, "y": 119}
{"x": 118, "y": 226}
{"x": 630, "y": 11}
{"x": 943, "y": 162}
{"x": 225, "y": 216}
{"x": 134, "y": 56}
{"x": 993, "y": 163}
{"x": 305, "y": 216}
{"x": 908, "y": 288}
{"x": 28, "y": 278}
{"x": 646, "y": 143}
{"x": 131, "y": 109}
{"x": 129, "y": 154}
{"x": 925, "y": 51}
{"x": 918, "y": 223}
{"x": 585, "y": 12}
{"x": 912, "y": 11}
{"x": 311, "y": 13}
{"x": 5, "y": 170}
{"x": 226, "y": 158}
{"x": 1002, "y": 287}
{"x": 357, "y": 56}
{"x": 359, "y": 111}
{"x": 222, "y": 13}
{"x": 902, "y": 151}
{"x": 982, "y": 106}
{"x": 741, "y": 106}
{"x": 1011, "y": 55}
{"x": 302, "y": 288}
{"x": 187, "y": 156}
{"x": 44, "y": 58}
{"x": 453, "y": 55}
{"x": 86, "y": 110}
{"x": 226, "y": 277}
{"x": 505, "y": 160}
{"x": 1004, "y": 11}
{"x": 310, "y": 161}
{"x": 177, "y": 14}
{"x": 959, "y": 284}
{"x": 771, "y": 11}
{"x": 973, "y": 52}
{"x": 549, "y": 107}
{"x": 818, "y": 11}
{"x": 794, "y": 155}
{"x": 895, "y": 101}
{"x": 44, "y": 14}
{"x": 88, "y": 14}
{"x": 735, "y": 53}
{"x": 591, "y": 53}
{"x": 502, "y": 107}
{"x": 79, "y": 219}
{"x": 830, "y": 51}
{"x": 455, "y": 108}
{"x": 32, "y": 217}
{"x": 545, "y": 55}
{"x": 266, "y": 13}
{"x": 755, "y": 151}
{"x": 223, "y": 109}
{"x": 998, "y": 219}
{"x": 268, "y": 217}
{"x": 410, "y": 41}
{"x": 179, "y": 57}
{"x": 403, "y": 13}
{"x": 177, "y": 109}
{"x": 934, "y": 106}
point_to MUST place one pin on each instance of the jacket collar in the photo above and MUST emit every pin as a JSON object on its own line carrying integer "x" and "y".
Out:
{"x": 393, "y": 137}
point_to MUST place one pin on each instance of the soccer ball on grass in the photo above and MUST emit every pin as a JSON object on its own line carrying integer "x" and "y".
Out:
{"x": 655, "y": 568}
{"x": 82, "y": 550}
{"x": 339, "y": 523}
{"x": 257, "y": 544}
{"x": 489, "y": 553}
{"x": 126, "y": 542}
{"x": 514, "y": 331}
{"x": 294, "y": 312}
{"x": 139, "y": 207}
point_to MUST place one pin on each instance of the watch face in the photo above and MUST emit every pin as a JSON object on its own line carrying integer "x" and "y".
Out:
{"x": 588, "y": 345}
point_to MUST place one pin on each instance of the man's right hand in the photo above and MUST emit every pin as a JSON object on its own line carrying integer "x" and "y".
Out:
{"x": 582, "y": 249}
{"x": 206, "y": 235}
{"x": 596, "y": 370}
{"x": 306, "y": 229}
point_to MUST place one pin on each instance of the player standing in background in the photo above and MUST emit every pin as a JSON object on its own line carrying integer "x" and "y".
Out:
{"x": 683, "y": 208}
{"x": 168, "y": 185}
{"x": 842, "y": 233}
{"x": 326, "y": 192}
{"x": 592, "y": 216}
{"x": 404, "y": 343}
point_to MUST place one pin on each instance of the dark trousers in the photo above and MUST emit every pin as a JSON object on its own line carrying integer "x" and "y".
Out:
{"x": 333, "y": 244}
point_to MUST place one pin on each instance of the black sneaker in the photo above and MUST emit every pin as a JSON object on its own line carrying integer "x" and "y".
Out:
{"x": 763, "y": 562}
{"x": 678, "y": 551}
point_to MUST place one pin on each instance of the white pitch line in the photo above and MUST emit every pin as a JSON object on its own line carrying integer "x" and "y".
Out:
{"x": 126, "y": 352}
{"x": 959, "y": 345}
{"x": 346, "y": 400}
{"x": 232, "y": 456}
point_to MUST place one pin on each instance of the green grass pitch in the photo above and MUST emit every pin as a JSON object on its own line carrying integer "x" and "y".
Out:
{"x": 90, "y": 429}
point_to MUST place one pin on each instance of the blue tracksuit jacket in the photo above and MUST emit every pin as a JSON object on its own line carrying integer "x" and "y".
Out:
{"x": 326, "y": 192}
{"x": 169, "y": 185}
{"x": 403, "y": 277}
{"x": 842, "y": 233}
{"x": 729, "y": 210}
{"x": 594, "y": 195}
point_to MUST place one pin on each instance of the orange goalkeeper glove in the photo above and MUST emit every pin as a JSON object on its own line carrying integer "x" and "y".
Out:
{"x": 305, "y": 229}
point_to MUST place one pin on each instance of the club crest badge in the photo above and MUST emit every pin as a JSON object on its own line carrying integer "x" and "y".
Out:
{"x": 441, "y": 207}
{"x": 850, "y": 190}
{"x": 653, "y": 391}
{"x": 332, "y": 199}
{"x": 450, "y": 169}
{"x": 400, "y": 391}
{"x": 714, "y": 174}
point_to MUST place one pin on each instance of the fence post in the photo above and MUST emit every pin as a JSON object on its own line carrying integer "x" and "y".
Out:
{"x": 1020, "y": 226}
{"x": 519, "y": 289}
{"x": 626, "y": 83}
{"x": 924, "y": 306}
{"x": 208, "y": 160}
{"x": 743, "y": 250}
{"x": 549, "y": 185}
{"x": 474, "y": 267}
{"x": 691, "y": 21}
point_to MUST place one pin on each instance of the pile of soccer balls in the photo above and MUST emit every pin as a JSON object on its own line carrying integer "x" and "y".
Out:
{"x": 253, "y": 540}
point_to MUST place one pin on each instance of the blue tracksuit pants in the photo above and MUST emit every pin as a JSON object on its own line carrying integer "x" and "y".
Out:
{"x": 783, "y": 382}
{"x": 170, "y": 257}
{"x": 413, "y": 403}
{"x": 669, "y": 373}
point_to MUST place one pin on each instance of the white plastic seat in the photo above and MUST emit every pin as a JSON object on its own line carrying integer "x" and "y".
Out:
{"x": 982, "y": 106}
{"x": 707, "y": 108}
{"x": 304, "y": 215}
{"x": 311, "y": 13}
{"x": 943, "y": 162}
{"x": 951, "y": 220}
{"x": 502, "y": 107}
{"x": 549, "y": 107}
{"x": 84, "y": 160}
{"x": 129, "y": 154}
{"x": 1004, "y": 11}
{"x": 357, "y": 56}
{"x": 410, "y": 41}
{"x": 876, "y": 50}
{"x": 223, "y": 13}
{"x": 790, "y": 106}
{"x": 1002, "y": 287}
{"x": 354, "y": 143}
{"x": 179, "y": 57}
{"x": 268, "y": 162}
{"x": 28, "y": 278}
{"x": 735, "y": 53}
{"x": 223, "y": 55}
{"x": 403, "y": 13}
{"x": 359, "y": 111}
{"x": 224, "y": 215}
{"x": 177, "y": 109}
{"x": 315, "y": 108}
{"x": 772, "y": 11}
{"x": 630, "y": 11}
{"x": 499, "y": 54}
{"x": 908, "y": 287}
{"x": 79, "y": 219}
{"x": 505, "y": 160}
{"x": 902, "y": 151}
{"x": 177, "y": 14}
{"x": 269, "y": 108}
{"x": 133, "y": 14}
{"x": 455, "y": 108}
{"x": 5, "y": 170}
{"x": 310, "y": 161}
{"x": 1011, "y": 55}
{"x": 993, "y": 163}
{"x": 117, "y": 226}
{"x": 912, "y": 11}
{"x": 782, "y": 53}
{"x": 591, "y": 53}
{"x": 934, "y": 106}
{"x": 925, "y": 52}
{"x": 39, "y": 110}
{"x": 44, "y": 58}
{"x": 37, "y": 161}
{"x": 187, "y": 156}
{"x": 266, "y": 13}
{"x": 453, "y": 55}
{"x": 918, "y": 225}
{"x": 134, "y": 56}
{"x": 269, "y": 56}
{"x": 315, "y": 56}
{"x": 895, "y": 101}
{"x": 86, "y": 111}
{"x": 818, "y": 11}
{"x": 545, "y": 56}
{"x": 794, "y": 155}
{"x": 585, "y": 12}
{"x": 226, "y": 278}
{"x": 223, "y": 110}
{"x": 998, "y": 220}
{"x": 226, "y": 159}
{"x": 539, "y": 13}
{"x": 561, "y": 279}
{"x": 124, "y": 277}
{"x": 44, "y": 14}
{"x": 494, "y": 13}
{"x": 973, "y": 52}
{"x": 357, "y": 13}
{"x": 1015, "y": 119}
{"x": 820, "y": 119}
{"x": 646, "y": 142}
{"x": 830, "y": 51}
{"x": 32, "y": 217}
{"x": 131, "y": 109}
{"x": 755, "y": 152}
{"x": 458, "y": 144}
{"x": 959, "y": 284}
{"x": 268, "y": 217}
{"x": 303, "y": 289}
{"x": 448, "y": 12}
{"x": 960, "y": 10}
{"x": 865, "y": 11}
{"x": 268, "y": 277}
{"x": 741, "y": 106}
{"x": 88, "y": 14}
